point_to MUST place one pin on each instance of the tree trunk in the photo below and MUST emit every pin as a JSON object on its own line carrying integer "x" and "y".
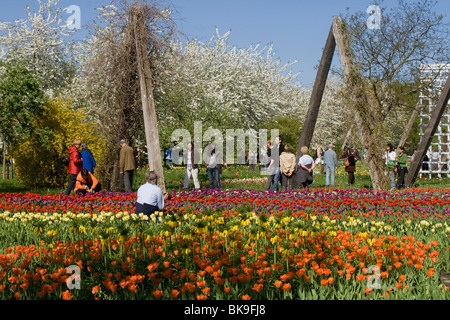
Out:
{"x": 115, "y": 175}
{"x": 146, "y": 87}
{"x": 365, "y": 110}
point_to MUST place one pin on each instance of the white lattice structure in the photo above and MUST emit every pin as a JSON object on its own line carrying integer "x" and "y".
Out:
{"x": 439, "y": 151}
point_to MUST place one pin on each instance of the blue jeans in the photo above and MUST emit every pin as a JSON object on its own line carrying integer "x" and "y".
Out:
{"x": 329, "y": 173}
{"x": 276, "y": 179}
{"x": 213, "y": 174}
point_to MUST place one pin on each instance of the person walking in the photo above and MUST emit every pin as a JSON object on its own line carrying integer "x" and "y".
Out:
{"x": 305, "y": 170}
{"x": 127, "y": 165}
{"x": 213, "y": 160}
{"x": 191, "y": 159}
{"x": 75, "y": 165}
{"x": 402, "y": 168}
{"x": 330, "y": 162}
{"x": 287, "y": 168}
{"x": 88, "y": 158}
{"x": 350, "y": 167}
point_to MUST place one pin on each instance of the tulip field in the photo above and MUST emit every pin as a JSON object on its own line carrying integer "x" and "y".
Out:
{"x": 237, "y": 244}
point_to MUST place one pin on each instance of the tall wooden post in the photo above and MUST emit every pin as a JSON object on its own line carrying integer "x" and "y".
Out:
{"x": 409, "y": 125}
{"x": 317, "y": 94}
{"x": 428, "y": 135}
{"x": 364, "y": 109}
{"x": 4, "y": 160}
{"x": 146, "y": 86}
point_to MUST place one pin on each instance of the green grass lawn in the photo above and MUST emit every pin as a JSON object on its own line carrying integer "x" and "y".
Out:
{"x": 237, "y": 177}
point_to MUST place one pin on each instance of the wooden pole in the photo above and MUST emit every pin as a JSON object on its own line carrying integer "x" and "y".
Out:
{"x": 428, "y": 135}
{"x": 364, "y": 109}
{"x": 409, "y": 125}
{"x": 317, "y": 93}
{"x": 146, "y": 87}
{"x": 4, "y": 160}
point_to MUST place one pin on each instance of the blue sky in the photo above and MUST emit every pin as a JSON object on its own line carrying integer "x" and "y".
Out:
{"x": 297, "y": 28}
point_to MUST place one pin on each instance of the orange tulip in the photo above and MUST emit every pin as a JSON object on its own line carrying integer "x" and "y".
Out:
{"x": 324, "y": 282}
{"x": 368, "y": 290}
{"x": 201, "y": 297}
{"x": 402, "y": 278}
{"x": 95, "y": 289}
{"x": 301, "y": 272}
{"x": 157, "y": 294}
{"x": 278, "y": 284}
{"x": 66, "y": 295}
{"x": 430, "y": 272}
{"x": 206, "y": 290}
{"x": 226, "y": 289}
{"x": 286, "y": 287}
{"x": 399, "y": 285}
{"x": 246, "y": 297}
{"x": 258, "y": 287}
{"x": 174, "y": 293}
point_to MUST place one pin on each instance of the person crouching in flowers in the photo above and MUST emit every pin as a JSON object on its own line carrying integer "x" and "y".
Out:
{"x": 150, "y": 197}
{"x": 86, "y": 182}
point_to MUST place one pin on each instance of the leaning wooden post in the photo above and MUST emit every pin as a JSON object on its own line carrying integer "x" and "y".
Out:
{"x": 4, "y": 160}
{"x": 409, "y": 125}
{"x": 317, "y": 93}
{"x": 148, "y": 104}
{"x": 364, "y": 108}
{"x": 428, "y": 135}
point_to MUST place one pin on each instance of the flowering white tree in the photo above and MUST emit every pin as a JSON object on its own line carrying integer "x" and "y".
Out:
{"x": 41, "y": 42}
{"x": 220, "y": 83}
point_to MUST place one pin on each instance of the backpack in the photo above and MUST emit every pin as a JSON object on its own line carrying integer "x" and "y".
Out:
{"x": 65, "y": 161}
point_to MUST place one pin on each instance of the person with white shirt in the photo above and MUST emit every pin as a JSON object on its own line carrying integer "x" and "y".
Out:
{"x": 390, "y": 158}
{"x": 150, "y": 197}
{"x": 192, "y": 158}
{"x": 306, "y": 167}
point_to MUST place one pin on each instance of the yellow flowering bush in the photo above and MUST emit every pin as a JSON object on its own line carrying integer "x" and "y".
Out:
{"x": 38, "y": 159}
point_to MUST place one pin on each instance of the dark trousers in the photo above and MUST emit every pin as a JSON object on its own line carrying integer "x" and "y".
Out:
{"x": 71, "y": 185}
{"x": 128, "y": 180}
{"x": 287, "y": 183}
{"x": 269, "y": 181}
{"x": 401, "y": 177}
{"x": 213, "y": 175}
{"x": 145, "y": 208}
{"x": 351, "y": 178}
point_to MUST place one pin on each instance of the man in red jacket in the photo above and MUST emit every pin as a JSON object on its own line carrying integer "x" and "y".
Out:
{"x": 75, "y": 165}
